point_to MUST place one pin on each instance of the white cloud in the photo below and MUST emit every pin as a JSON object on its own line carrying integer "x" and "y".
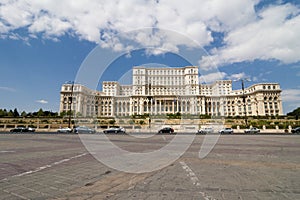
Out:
{"x": 7, "y": 89}
{"x": 42, "y": 101}
{"x": 237, "y": 76}
{"x": 271, "y": 33}
{"x": 92, "y": 20}
{"x": 290, "y": 99}
{"x": 274, "y": 35}
{"x": 211, "y": 77}
{"x": 291, "y": 95}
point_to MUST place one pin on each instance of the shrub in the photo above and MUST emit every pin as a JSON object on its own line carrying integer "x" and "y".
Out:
{"x": 112, "y": 121}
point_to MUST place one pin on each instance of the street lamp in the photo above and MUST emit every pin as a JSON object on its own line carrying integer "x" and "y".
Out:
{"x": 244, "y": 97}
{"x": 70, "y": 102}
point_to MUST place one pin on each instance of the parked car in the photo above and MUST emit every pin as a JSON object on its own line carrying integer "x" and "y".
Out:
{"x": 84, "y": 129}
{"x": 166, "y": 130}
{"x": 115, "y": 130}
{"x": 296, "y": 130}
{"x": 206, "y": 130}
{"x": 30, "y": 129}
{"x": 22, "y": 129}
{"x": 226, "y": 131}
{"x": 252, "y": 130}
{"x": 64, "y": 130}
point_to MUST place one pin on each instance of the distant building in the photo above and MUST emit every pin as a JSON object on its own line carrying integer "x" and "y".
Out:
{"x": 158, "y": 91}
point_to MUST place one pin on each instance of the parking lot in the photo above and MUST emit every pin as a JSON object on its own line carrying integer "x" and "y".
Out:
{"x": 58, "y": 166}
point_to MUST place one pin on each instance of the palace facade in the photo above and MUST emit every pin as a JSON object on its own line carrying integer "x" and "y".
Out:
{"x": 159, "y": 91}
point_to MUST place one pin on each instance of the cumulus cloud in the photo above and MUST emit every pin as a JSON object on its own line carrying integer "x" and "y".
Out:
{"x": 211, "y": 77}
{"x": 9, "y": 89}
{"x": 270, "y": 33}
{"x": 98, "y": 21}
{"x": 291, "y": 95}
{"x": 214, "y": 76}
{"x": 42, "y": 101}
{"x": 274, "y": 35}
{"x": 291, "y": 99}
{"x": 237, "y": 76}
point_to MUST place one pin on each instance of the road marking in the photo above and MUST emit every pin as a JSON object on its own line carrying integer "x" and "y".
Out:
{"x": 47, "y": 166}
{"x": 7, "y": 151}
{"x": 194, "y": 179}
{"x": 16, "y": 195}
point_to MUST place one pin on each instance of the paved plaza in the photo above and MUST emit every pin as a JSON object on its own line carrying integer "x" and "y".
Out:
{"x": 58, "y": 166}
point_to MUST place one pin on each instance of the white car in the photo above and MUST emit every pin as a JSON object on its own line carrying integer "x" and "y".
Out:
{"x": 226, "y": 131}
{"x": 206, "y": 130}
{"x": 252, "y": 130}
{"x": 64, "y": 130}
{"x": 84, "y": 129}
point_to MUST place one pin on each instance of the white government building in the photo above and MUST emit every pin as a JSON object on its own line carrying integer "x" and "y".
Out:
{"x": 159, "y": 91}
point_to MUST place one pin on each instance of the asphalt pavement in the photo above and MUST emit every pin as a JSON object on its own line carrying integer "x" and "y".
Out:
{"x": 58, "y": 166}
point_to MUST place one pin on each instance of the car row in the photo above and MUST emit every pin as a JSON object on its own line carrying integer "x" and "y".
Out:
{"x": 78, "y": 129}
{"x": 207, "y": 130}
{"x": 85, "y": 129}
{"x": 170, "y": 130}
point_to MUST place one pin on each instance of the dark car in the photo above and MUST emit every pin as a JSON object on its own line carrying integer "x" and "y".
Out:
{"x": 166, "y": 130}
{"x": 114, "y": 130}
{"x": 22, "y": 129}
{"x": 84, "y": 129}
{"x": 296, "y": 130}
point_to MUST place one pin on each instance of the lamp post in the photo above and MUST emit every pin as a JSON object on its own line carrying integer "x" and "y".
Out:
{"x": 244, "y": 97}
{"x": 70, "y": 102}
{"x": 149, "y": 97}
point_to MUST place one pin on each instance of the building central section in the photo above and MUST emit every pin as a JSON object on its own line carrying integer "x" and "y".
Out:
{"x": 160, "y": 91}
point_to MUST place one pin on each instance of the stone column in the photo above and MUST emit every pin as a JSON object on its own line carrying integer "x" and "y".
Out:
{"x": 203, "y": 106}
{"x": 173, "y": 107}
{"x": 160, "y": 107}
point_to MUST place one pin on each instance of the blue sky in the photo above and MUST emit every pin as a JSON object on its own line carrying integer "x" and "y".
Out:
{"x": 44, "y": 44}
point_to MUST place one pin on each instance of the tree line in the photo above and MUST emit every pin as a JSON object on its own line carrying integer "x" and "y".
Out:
{"x": 41, "y": 113}
{"x": 16, "y": 113}
{"x": 295, "y": 113}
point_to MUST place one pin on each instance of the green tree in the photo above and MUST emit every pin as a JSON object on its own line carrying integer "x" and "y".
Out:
{"x": 64, "y": 113}
{"x": 295, "y": 113}
{"x": 16, "y": 113}
{"x": 10, "y": 113}
{"x": 40, "y": 113}
{"x": 3, "y": 113}
{"x": 23, "y": 114}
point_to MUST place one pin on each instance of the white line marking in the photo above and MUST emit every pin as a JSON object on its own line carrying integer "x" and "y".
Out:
{"x": 194, "y": 179}
{"x": 48, "y": 166}
{"x": 16, "y": 195}
{"x": 7, "y": 151}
